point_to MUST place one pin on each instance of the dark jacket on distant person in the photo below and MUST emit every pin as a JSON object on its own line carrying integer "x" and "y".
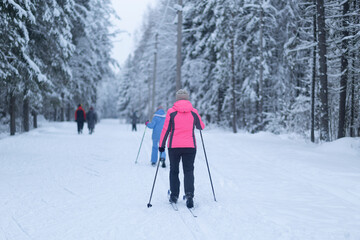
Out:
{"x": 80, "y": 115}
{"x": 91, "y": 118}
{"x": 134, "y": 118}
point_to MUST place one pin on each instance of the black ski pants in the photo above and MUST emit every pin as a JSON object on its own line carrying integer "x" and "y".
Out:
{"x": 80, "y": 126}
{"x": 187, "y": 155}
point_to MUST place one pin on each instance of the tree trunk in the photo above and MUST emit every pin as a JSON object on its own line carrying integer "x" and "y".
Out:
{"x": 353, "y": 86}
{"x": 344, "y": 72}
{"x": 261, "y": 70}
{"x": 62, "y": 114}
{"x": 179, "y": 43}
{"x": 352, "y": 110}
{"x": 324, "y": 114}
{"x": 220, "y": 103}
{"x": 55, "y": 114}
{"x": 26, "y": 112}
{"x": 154, "y": 80}
{"x": 12, "y": 111}
{"x": 68, "y": 114}
{"x": 62, "y": 108}
{"x": 34, "y": 119}
{"x": 244, "y": 115}
{"x": 313, "y": 81}
{"x": 233, "y": 104}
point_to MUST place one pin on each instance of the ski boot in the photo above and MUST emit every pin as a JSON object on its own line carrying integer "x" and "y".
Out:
{"x": 173, "y": 199}
{"x": 162, "y": 161}
{"x": 189, "y": 200}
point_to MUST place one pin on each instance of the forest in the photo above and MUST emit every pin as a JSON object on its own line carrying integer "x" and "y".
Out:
{"x": 283, "y": 66}
{"x": 53, "y": 56}
{"x": 256, "y": 65}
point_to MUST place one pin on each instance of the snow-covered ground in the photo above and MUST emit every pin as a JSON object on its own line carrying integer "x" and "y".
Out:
{"x": 56, "y": 184}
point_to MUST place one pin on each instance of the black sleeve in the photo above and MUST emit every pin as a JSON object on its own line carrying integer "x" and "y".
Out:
{"x": 196, "y": 121}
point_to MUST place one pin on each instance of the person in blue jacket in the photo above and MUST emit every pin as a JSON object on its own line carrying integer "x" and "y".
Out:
{"x": 157, "y": 124}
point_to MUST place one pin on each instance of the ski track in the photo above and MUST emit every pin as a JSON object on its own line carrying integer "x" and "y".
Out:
{"x": 296, "y": 180}
{"x": 57, "y": 184}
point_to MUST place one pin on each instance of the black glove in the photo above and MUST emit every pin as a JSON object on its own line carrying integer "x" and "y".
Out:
{"x": 161, "y": 149}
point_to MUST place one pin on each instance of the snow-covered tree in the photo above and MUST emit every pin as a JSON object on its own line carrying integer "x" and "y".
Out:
{"x": 20, "y": 74}
{"x": 53, "y": 53}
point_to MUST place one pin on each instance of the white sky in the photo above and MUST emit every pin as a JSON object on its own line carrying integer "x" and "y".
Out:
{"x": 131, "y": 14}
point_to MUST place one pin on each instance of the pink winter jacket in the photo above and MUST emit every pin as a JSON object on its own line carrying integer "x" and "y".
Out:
{"x": 180, "y": 123}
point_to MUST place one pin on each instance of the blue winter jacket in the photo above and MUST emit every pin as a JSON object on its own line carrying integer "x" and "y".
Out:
{"x": 157, "y": 124}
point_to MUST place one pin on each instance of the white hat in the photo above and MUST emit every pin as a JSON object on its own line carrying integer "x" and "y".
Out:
{"x": 182, "y": 94}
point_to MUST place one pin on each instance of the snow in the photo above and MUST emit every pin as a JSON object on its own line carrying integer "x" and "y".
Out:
{"x": 56, "y": 184}
{"x": 56, "y": 12}
{"x": 20, "y": 11}
{"x": 41, "y": 77}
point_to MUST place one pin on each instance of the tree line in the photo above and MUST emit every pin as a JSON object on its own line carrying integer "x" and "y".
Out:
{"x": 53, "y": 54}
{"x": 257, "y": 65}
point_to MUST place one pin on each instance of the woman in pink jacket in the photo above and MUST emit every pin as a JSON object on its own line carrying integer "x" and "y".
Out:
{"x": 180, "y": 123}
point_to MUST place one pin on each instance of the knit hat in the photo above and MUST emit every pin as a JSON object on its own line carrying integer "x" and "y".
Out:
{"x": 182, "y": 94}
{"x": 159, "y": 107}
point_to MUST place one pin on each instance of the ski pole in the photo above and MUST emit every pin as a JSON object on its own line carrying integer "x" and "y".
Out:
{"x": 140, "y": 145}
{"x": 152, "y": 190}
{"x": 207, "y": 164}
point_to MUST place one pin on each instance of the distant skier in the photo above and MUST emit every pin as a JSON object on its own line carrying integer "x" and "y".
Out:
{"x": 91, "y": 120}
{"x": 179, "y": 126}
{"x": 134, "y": 119}
{"x": 157, "y": 124}
{"x": 80, "y": 118}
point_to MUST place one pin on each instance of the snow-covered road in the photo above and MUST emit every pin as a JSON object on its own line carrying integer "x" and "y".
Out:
{"x": 57, "y": 185}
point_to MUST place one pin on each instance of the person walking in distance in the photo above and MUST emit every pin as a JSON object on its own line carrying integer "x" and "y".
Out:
{"x": 80, "y": 118}
{"x": 180, "y": 123}
{"x": 157, "y": 124}
{"x": 134, "y": 119}
{"x": 91, "y": 120}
